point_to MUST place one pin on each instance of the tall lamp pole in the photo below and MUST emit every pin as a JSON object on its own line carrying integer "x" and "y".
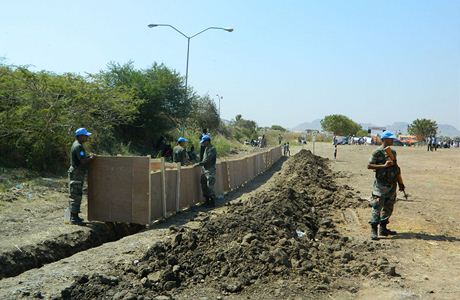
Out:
{"x": 219, "y": 98}
{"x": 188, "y": 43}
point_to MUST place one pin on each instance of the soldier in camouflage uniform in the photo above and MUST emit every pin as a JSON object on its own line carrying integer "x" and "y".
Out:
{"x": 208, "y": 167}
{"x": 79, "y": 161}
{"x": 385, "y": 184}
{"x": 180, "y": 152}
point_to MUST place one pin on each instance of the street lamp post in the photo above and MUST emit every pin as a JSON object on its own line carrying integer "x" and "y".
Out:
{"x": 219, "y": 98}
{"x": 188, "y": 43}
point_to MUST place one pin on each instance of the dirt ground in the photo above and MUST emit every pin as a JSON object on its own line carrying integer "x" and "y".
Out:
{"x": 427, "y": 247}
{"x": 248, "y": 247}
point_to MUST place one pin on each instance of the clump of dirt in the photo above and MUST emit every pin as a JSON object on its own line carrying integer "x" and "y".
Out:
{"x": 285, "y": 231}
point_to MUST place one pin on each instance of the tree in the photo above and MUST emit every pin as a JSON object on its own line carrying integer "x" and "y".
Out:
{"x": 204, "y": 113}
{"x": 423, "y": 128}
{"x": 164, "y": 105}
{"x": 340, "y": 125}
{"x": 244, "y": 128}
{"x": 39, "y": 112}
{"x": 278, "y": 127}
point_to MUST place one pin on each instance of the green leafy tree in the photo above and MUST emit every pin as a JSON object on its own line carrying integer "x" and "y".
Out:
{"x": 39, "y": 112}
{"x": 423, "y": 128}
{"x": 164, "y": 103}
{"x": 340, "y": 125}
{"x": 204, "y": 113}
{"x": 278, "y": 127}
{"x": 244, "y": 129}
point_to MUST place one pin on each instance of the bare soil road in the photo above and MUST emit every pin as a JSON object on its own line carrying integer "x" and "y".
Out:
{"x": 427, "y": 248}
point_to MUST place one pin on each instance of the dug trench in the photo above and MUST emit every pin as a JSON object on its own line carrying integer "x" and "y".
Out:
{"x": 15, "y": 260}
{"x": 279, "y": 241}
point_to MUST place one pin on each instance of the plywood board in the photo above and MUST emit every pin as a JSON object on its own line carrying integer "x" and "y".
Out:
{"x": 140, "y": 192}
{"x": 156, "y": 197}
{"x": 171, "y": 183}
{"x": 114, "y": 183}
{"x": 188, "y": 188}
{"x": 198, "y": 193}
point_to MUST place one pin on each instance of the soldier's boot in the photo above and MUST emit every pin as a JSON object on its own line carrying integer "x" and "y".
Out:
{"x": 212, "y": 202}
{"x": 374, "y": 235}
{"x": 75, "y": 219}
{"x": 384, "y": 231}
{"x": 206, "y": 201}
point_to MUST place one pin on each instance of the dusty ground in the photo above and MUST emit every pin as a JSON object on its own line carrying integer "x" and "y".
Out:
{"x": 427, "y": 247}
{"x": 338, "y": 261}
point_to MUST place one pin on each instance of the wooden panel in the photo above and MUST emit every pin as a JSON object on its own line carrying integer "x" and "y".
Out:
{"x": 188, "y": 188}
{"x": 98, "y": 203}
{"x": 140, "y": 190}
{"x": 114, "y": 183}
{"x": 219, "y": 187}
{"x": 171, "y": 182}
{"x": 197, "y": 191}
{"x": 225, "y": 181}
{"x": 251, "y": 167}
{"x": 232, "y": 166}
{"x": 156, "y": 197}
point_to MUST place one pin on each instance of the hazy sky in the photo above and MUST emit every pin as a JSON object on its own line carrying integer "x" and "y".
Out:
{"x": 286, "y": 62}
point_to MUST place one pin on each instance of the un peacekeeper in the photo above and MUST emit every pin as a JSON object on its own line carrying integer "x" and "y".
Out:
{"x": 384, "y": 190}
{"x": 79, "y": 161}
{"x": 208, "y": 167}
{"x": 180, "y": 152}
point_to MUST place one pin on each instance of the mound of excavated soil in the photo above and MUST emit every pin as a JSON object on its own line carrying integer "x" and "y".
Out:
{"x": 284, "y": 231}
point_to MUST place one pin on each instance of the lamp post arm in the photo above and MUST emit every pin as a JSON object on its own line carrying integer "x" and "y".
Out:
{"x": 180, "y": 32}
{"x": 206, "y": 30}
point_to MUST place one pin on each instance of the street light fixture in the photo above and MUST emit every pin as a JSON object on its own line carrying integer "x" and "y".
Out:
{"x": 188, "y": 43}
{"x": 219, "y": 98}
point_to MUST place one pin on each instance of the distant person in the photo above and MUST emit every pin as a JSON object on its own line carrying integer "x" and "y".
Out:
{"x": 435, "y": 143}
{"x": 208, "y": 169}
{"x": 192, "y": 155}
{"x": 167, "y": 152}
{"x": 335, "y": 151}
{"x": 203, "y": 133}
{"x": 384, "y": 190}
{"x": 79, "y": 161}
{"x": 286, "y": 150}
{"x": 180, "y": 152}
{"x": 280, "y": 139}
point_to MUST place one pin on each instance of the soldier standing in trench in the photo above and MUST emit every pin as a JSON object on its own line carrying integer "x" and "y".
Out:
{"x": 79, "y": 161}
{"x": 208, "y": 167}
{"x": 384, "y": 190}
{"x": 180, "y": 152}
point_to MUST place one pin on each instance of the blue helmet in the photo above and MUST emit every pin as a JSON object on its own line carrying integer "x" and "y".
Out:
{"x": 182, "y": 140}
{"x": 388, "y": 135}
{"x": 205, "y": 138}
{"x": 82, "y": 131}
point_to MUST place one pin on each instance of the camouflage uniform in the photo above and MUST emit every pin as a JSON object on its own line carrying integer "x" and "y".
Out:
{"x": 77, "y": 173}
{"x": 179, "y": 155}
{"x": 208, "y": 177}
{"x": 384, "y": 190}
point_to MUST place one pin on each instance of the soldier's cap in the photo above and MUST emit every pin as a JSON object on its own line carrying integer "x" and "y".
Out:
{"x": 205, "y": 138}
{"x": 82, "y": 131}
{"x": 388, "y": 135}
{"x": 182, "y": 140}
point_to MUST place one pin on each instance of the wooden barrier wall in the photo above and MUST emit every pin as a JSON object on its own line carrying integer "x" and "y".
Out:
{"x": 141, "y": 190}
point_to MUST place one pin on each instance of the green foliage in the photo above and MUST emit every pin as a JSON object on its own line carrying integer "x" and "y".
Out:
{"x": 340, "y": 125}
{"x": 423, "y": 128}
{"x": 278, "y": 127}
{"x": 39, "y": 112}
{"x": 204, "y": 114}
{"x": 361, "y": 133}
{"x": 243, "y": 129}
{"x": 164, "y": 104}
